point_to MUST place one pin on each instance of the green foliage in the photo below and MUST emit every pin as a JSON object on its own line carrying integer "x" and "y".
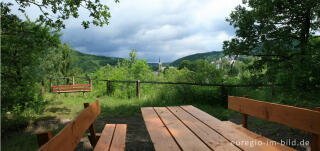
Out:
{"x": 282, "y": 35}
{"x": 200, "y": 71}
{"x": 31, "y": 52}
{"x": 90, "y": 63}
{"x": 128, "y": 69}
{"x": 55, "y": 12}
{"x": 56, "y": 62}
{"x": 132, "y": 57}
{"x": 23, "y": 45}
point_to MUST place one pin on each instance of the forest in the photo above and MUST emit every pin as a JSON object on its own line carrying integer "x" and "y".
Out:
{"x": 274, "y": 57}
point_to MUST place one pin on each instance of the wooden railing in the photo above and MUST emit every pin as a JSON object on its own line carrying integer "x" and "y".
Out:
{"x": 223, "y": 87}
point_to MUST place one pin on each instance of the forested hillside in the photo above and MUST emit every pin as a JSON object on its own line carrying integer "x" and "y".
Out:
{"x": 206, "y": 56}
{"x": 90, "y": 63}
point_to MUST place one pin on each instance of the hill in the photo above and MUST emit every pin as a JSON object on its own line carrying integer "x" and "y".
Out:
{"x": 90, "y": 63}
{"x": 206, "y": 56}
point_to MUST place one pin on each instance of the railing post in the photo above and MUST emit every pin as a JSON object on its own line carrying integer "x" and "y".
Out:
{"x": 224, "y": 95}
{"x": 93, "y": 138}
{"x": 43, "y": 138}
{"x": 272, "y": 90}
{"x": 138, "y": 88}
{"x": 315, "y": 142}
{"x": 72, "y": 80}
{"x": 245, "y": 117}
{"x": 90, "y": 82}
{"x": 51, "y": 85}
{"x": 43, "y": 90}
{"x": 108, "y": 87}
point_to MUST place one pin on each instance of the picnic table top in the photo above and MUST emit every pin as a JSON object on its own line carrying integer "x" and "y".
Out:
{"x": 189, "y": 128}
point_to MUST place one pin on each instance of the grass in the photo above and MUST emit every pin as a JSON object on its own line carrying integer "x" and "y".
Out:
{"x": 68, "y": 106}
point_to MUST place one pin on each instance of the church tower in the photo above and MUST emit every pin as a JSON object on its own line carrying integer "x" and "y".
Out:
{"x": 160, "y": 65}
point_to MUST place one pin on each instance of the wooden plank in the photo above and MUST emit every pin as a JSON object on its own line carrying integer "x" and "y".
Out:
{"x": 119, "y": 138}
{"x": 97, "y": 136}
{"x": 66, "y": 88}
{"x": 315, "y": 140}
{"x": 245, "y": 117}
{"x": 71, "y": 88}
{"x": 93, "y": 138}
{"x": 213, "y": 139}
{"x": 60, "y": 86}
{"x": 43, "y": 137}
{"x": 245, "y": 120}
{"x": 238, "y": 138}
{"x": 160, "y": 136}
{"x": 69, "y": 137}
{"x": 184, "y": 137}
{"x": 72, "y": 91}
{"x": 258, "y": 137}
{"x": 300, "y": 118}
{"x": 105, "y": 139}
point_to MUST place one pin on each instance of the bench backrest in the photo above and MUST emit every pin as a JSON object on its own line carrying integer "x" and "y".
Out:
{"x": 69, "y": 137}
{"x": 71, "y": 88}
{"x": 300, "y": 118}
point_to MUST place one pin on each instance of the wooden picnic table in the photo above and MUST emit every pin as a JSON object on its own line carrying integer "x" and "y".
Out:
{"x": 189, "y": 128}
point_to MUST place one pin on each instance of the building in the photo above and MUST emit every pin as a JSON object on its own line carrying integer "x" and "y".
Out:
{"x": 159, "y": 65}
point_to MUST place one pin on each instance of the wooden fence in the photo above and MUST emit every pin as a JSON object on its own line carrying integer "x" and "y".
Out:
{"x": 223, "y": 87}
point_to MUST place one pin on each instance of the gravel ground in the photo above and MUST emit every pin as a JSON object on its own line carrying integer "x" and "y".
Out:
{"x": 277, "y": 132}
{"x": 138, "y": 138}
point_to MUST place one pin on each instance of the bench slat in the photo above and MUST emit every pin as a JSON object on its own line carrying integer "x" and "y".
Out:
{"x": 69, "y": 137}
{"x": 63, "y": 89}
{"x": 105, "y": 138}
{"x": 71, "y": 88}
{"x": 213, "y": 139}
{"x": 185, "y": 138}
{"x": 161, "y": 138}
{"x": 258, "y": 137}
{"x": 119, "y": 138}
{"x": 56, "y": 86}
{"x": 71, "y": 91}
{"x": 300, "y": 118}
{"x": 228, "y": 132}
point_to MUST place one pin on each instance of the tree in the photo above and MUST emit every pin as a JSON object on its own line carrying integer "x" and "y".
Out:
{"x": 56, "y": 62}
{"x": 185, "y": 64}
{"x": 55, "y": 12}
{"x": 279, "y": 33}
{"x": 23, "y": 43}
{"x": 132, "y": 57}
{"x": 66, "y": 59}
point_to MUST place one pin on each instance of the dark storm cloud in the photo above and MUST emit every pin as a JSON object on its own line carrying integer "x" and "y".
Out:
{"x": 156, "y": 28}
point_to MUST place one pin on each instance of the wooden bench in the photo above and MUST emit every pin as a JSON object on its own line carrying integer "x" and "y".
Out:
{"x": 187, "y": 128}
{"x": 299, "y": 118}
{"x": 71, "y": 88}
{"x": 112, "y": 137}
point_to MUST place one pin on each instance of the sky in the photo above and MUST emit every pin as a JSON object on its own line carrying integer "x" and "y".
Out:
{"x": 155, "y": 28}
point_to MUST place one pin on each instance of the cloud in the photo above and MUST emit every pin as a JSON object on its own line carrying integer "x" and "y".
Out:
{"x": 156, "y": 28}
